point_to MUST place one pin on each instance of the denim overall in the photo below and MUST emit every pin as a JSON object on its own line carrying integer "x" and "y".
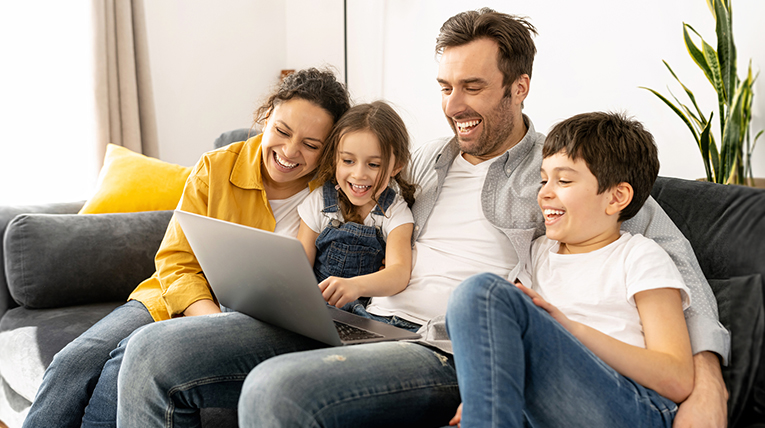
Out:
{"x": 350, "y": 249}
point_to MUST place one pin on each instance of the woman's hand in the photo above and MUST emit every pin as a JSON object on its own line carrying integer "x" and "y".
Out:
{"x": 457, "y": 419}
{"x": 339, "y": 291}
{"x": 547, "y": 306}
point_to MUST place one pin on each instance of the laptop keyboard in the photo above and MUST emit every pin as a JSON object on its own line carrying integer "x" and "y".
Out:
{"x": 349, "y": 332}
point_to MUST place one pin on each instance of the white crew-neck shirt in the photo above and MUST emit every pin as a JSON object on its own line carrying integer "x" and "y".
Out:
{"x": 598, "y": 288}
{"x": 457, "y": 241}
{"x": 286, "y": 213}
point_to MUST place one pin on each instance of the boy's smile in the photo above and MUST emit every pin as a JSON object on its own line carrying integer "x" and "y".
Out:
{"x": 575, "y": 214}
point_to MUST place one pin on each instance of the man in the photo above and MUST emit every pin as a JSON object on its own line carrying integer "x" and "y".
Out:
{"x": 476, "y": 212}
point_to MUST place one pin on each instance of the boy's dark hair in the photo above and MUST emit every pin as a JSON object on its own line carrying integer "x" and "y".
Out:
{"x": 512, "y": 34}
{"x": 615, "y": 148}
{"x": 317, "y": 86}
{"x": 380, "y": 119}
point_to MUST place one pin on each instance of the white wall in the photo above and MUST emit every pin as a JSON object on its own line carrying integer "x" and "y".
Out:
{"x": 212, "y": 64}
{"x": 592, "y": 55}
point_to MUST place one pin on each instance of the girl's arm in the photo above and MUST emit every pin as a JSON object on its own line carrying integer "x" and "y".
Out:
{"x": 387, "y": 282}
{"x": 307, "y": 237}
{"x": 665, "y": 365}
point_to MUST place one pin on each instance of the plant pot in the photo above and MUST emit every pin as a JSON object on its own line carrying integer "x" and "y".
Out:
{"x": 756, "y": 182}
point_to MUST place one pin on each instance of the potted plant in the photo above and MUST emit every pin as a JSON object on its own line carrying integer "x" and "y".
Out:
{"x": 730, "y": 162}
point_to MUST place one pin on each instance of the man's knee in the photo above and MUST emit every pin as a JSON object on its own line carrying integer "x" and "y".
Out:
{"x": 271, "y": 395}
{"x": 147, "y": 351}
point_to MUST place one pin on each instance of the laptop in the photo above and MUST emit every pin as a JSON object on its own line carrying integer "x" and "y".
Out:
{"x": 268, "y": 277}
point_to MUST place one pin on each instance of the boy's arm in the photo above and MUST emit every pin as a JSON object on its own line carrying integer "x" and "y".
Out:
{"x": 665, "y": 365}
{"x": 387, "y": 282}
{"x": 706, "y": 332}
{"x": 707, "y": 404}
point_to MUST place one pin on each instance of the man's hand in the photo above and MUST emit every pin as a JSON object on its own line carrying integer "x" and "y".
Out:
{"x": 457, "y": 419}
{"x": 707, "y": 406}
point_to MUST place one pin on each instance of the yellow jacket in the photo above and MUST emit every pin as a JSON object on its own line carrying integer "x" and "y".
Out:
{"x": 226, "y": 184}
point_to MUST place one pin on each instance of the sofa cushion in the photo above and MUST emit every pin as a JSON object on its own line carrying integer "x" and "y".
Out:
{"x": 235, "y": 135}
{"x": 740, "y": 304}
{"x": 8, "y": 213}
{"x": 132, "y": 182}
{"x": 30, "y": 338}
{"x": 59, "y": 260}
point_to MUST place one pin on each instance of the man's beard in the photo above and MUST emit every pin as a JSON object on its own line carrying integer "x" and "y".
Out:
{"x": 497, "y": 128}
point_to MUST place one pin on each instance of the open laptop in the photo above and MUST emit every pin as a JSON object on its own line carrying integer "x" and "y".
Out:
{"x": 268, "y": 277}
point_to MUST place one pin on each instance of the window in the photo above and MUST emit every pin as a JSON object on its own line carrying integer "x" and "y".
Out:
{"x": 47, "y": 103}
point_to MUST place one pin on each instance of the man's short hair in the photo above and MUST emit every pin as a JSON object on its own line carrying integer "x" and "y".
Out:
{"x": 615, "y": 148}
{"x": 512, "y": 34}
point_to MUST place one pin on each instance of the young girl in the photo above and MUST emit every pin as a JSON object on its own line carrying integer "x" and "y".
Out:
{"x": 356, "y": 219}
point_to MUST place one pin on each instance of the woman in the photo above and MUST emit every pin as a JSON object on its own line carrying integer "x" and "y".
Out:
{"x": 258, "y": 183}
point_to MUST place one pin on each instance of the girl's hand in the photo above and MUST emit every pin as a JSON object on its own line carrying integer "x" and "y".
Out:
{"x": 544, "y": 304}
{"x": 339, "y": 291}
{"x": 457, "y": 419}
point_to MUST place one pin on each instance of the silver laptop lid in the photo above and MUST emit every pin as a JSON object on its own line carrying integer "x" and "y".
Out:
{"x": 238, "y": 262}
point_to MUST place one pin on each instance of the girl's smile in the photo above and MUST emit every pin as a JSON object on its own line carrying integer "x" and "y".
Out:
{"x": 359, "y": 167}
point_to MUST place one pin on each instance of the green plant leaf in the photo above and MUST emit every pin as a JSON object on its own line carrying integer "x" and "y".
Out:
{"x": 704, "y": 145}
{"x": 677, "y": 111}
{"x": 733, "y": 135}
{"x": 726, "y": 49}
{"x": 714, "y": 157}
{"x": 687, "y": 91}
{"x": 696, "y": 54}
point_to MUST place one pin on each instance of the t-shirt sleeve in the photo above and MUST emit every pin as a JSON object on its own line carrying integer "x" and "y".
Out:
{"x": 398, "y": 213}
{"x": 526, "y": 274}
{"x": 310, "y": 210}
{"x": 649, "y": 267}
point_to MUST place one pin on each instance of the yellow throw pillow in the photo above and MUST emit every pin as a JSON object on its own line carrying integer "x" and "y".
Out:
{"x": 132, "y": 182}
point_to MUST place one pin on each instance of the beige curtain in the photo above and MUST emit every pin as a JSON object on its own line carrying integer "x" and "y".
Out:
{"x": 124, "y": 102}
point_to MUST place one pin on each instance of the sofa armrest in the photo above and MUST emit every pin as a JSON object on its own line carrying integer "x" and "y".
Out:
{"x": 62, "y": 260}
{"x": 8, "y": 213}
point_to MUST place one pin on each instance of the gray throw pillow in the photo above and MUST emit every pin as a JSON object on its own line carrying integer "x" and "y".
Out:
{"x": 740, "y": 304}
{"x": 60, "y": 260}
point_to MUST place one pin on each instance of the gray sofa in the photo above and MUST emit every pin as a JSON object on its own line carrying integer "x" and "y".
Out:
{"x": 62, "y": 272}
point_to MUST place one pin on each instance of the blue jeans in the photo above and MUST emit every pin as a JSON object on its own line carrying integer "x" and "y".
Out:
{"x": 173, "y": 368}
{"x": 79, "y": 388}
{"x": 515, "y": 362}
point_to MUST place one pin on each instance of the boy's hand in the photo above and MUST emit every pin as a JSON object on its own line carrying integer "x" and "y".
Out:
{"x": 544, "y": 304}
{"x": 457, "y": 419}
{"x": 338, "y": 291}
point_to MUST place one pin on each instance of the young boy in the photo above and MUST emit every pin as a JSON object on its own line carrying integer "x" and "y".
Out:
{"x": 593, "y": 334}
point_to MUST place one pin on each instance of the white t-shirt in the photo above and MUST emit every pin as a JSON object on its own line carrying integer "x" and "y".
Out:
{"x": 456, "y": 242}
{"x": 398, "y": 213}
{"x": 285, "y": 213}
{"x": 598, "y": 288}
